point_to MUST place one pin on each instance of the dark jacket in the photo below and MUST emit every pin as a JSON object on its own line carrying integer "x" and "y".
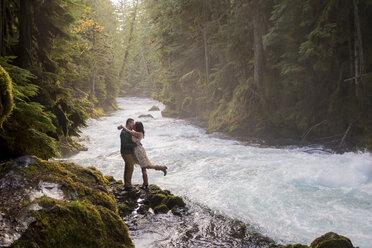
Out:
{"x": 127, "y": 144}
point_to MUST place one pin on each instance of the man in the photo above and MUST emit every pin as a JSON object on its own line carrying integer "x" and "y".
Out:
{"x": 126, "y": 150}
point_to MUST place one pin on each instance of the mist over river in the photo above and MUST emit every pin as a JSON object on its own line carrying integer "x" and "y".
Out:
{"x": 289, "y": 194}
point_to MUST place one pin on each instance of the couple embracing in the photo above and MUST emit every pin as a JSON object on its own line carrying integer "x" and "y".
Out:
{"x": 133, "y": 152}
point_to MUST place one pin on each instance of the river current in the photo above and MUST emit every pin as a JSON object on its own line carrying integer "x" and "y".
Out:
{"x": 291, "y": 195}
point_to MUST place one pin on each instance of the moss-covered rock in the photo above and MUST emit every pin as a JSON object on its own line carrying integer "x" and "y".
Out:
{"x": 75, "y": 224}
{"x": 140, "y": 200}
{"x": 328, "y": 240}
{"x": 157, "y": 199}
{"x": 54, "y": 204}
{"x": 331, "y": 240}
{"x": 76, "y": 182}
{"x": 173, "y": 201}
{"x": 154, "y": 108}
{"x": 162, "y": 208}
{"x": 124, "y": 209}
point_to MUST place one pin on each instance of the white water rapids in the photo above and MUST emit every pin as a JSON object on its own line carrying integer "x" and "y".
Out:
{"x": 289, "y": 194}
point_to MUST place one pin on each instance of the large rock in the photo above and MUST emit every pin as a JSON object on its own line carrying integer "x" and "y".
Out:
{"x": 154, "y": 108}
{"x": 331, "y": 240}
{"x": 328, "y": 240}
{"x": 52, "y": 204}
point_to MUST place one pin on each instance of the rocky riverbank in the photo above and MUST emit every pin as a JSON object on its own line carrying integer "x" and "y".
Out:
{"x": 54, "y": 204}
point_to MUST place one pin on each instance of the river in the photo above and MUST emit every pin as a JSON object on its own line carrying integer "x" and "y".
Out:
{"x": 291, "y": 195}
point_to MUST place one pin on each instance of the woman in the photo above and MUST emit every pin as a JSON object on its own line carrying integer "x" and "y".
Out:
{"x": 140, "y": 156}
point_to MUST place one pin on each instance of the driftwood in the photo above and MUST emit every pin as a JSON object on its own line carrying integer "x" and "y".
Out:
{"x": 310, "y": 129}
{"x": 345, "y": 134}
{"x": 360, "y": 76}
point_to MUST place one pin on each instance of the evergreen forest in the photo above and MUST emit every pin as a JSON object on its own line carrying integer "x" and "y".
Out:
{"x": 269, "y": 70}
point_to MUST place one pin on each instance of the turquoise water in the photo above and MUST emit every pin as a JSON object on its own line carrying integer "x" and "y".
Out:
{"x": 288, "y": 194}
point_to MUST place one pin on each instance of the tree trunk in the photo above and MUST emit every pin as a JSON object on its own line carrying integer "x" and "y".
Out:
{"x": 258, "y": 30}
{"x": 129, "y": 40}
{"x": 1, "y": 26}
{"x": 206, "y": 56}
{"x": 25, "y": 33}
{"x": 359, "y": 36}
{"x": 94, "y": 80}
{"x": 144, "y": 63}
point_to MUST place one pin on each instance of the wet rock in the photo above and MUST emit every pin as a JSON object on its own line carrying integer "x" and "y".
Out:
{"x": 331, "y": 240}
{"x": 124, "y": 209}
{"x": 46, "y": 204}
{"x": 157, "y": 199}
{"x": 162, "y": 208}
{"x": 152, "y": 200}
{"x": 145, "y": 116}
{"x": 154, "y": 108}
{"x": 173, "y": 201}
{"x": 295, "y": 246}
{"x": 24, "y": 162}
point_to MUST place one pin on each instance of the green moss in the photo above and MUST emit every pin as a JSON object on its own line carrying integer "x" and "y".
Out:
{"x": 67, "y": 146}
{"x": 110, "y": 179}
{"x": 124, "y": 209}
{"x": 170, "y": 113}
{"x": 76, "y": 181}
{"x": 154, "y": 108}
{"x": 157, "y": 199}
{"x": 6, "y": 95}
{"x": 331, "y": 240}
{"x": 172, "y": 201}
{"x": 162, "y": 208}
{"x": 75, "y": 224}
{"x": 295, "y": 246}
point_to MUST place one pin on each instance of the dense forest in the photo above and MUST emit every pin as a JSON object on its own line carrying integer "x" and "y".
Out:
{"x": 268, "y": 69}
{"x": 58, "y": 67}
{"x": 272, "y": 69}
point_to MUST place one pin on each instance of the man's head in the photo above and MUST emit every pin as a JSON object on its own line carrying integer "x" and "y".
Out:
{"x": 130, "y": 123}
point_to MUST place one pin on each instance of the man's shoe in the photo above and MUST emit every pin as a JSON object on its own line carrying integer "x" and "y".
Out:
{"x": 128, "y": 188}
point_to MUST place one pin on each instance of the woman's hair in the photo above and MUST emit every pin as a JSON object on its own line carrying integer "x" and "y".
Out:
{"x": 139, "y": 128}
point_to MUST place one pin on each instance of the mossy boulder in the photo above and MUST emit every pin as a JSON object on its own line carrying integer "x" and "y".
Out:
{"x": 157, "y": 199}
{"x": 54, "y": 204}
{"x": 328, "y": 240}
{"x": 173, "y": 201}
{"x": 162, "y": 208}
{"x": 154, "y": 108}
{"x": 331, "y": 240}
{"x": 124, "y": 209}
{"x": 75, "y": 224}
